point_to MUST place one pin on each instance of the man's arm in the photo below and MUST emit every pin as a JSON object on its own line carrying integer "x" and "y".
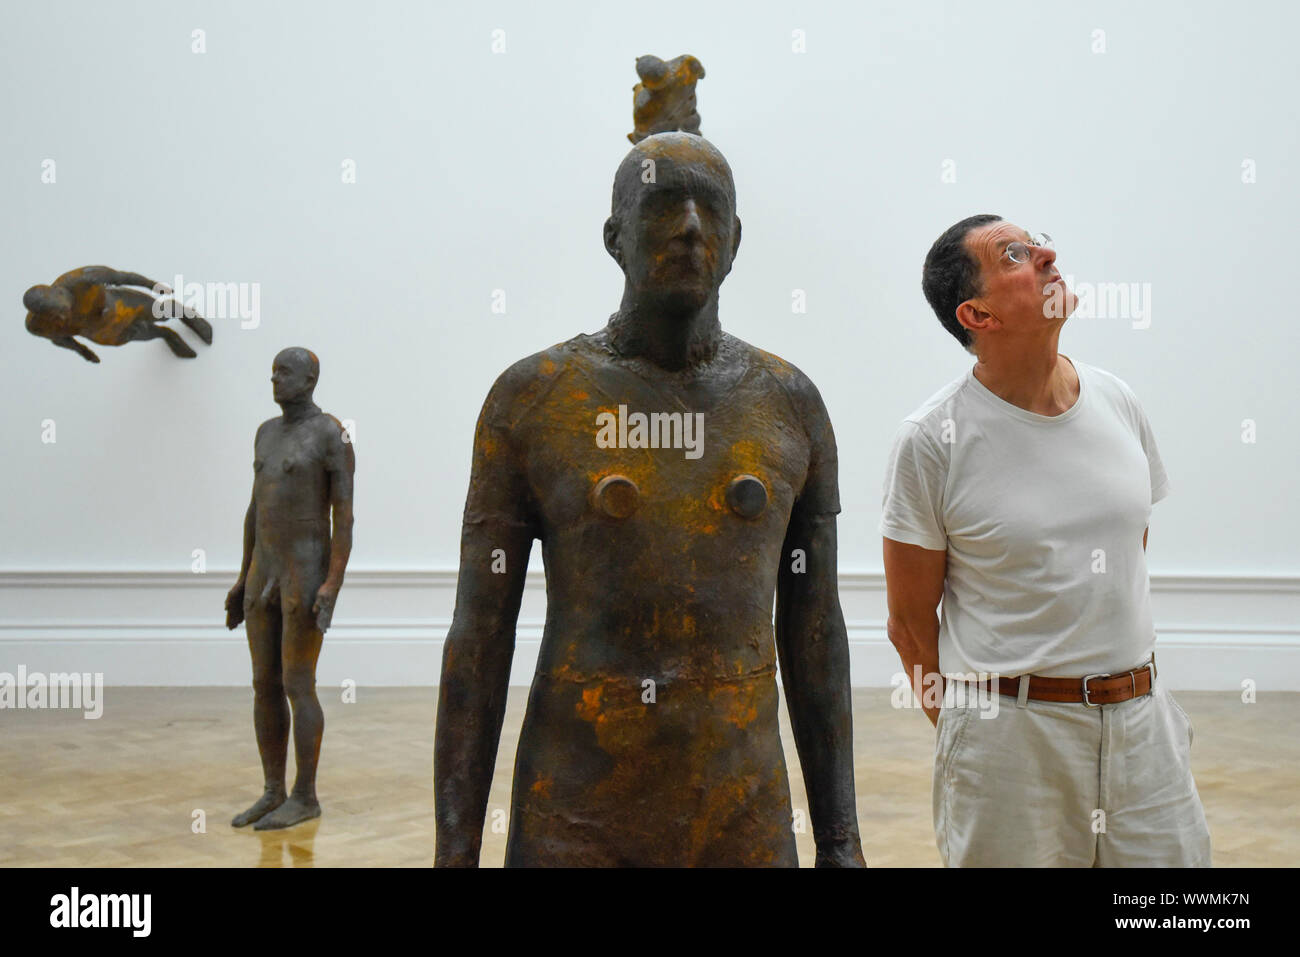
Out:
{"x": 496, "y": 538}
{"x": 914, "y": 584}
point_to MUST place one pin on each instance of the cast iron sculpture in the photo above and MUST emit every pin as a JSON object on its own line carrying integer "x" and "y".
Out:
{"x": 678, "y": 479}
{"x": 664, "y": 100}
{"x": 97, "y": 303}
{"x": 289, "y": 580}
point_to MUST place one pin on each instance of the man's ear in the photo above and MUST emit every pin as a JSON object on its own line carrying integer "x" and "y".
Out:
{"x": 611, "y": 241}
{"x": 974, "y": 318}
{"x": 735, "y": 243}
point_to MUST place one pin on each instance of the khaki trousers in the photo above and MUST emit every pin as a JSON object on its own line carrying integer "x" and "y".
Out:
{"x": 1049, "y": 784}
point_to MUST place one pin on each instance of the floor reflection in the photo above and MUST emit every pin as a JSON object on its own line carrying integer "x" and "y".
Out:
{"x": 289, "y": 847}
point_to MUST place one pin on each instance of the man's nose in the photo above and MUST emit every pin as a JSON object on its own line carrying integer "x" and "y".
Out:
{"x": 1047, "y": 256}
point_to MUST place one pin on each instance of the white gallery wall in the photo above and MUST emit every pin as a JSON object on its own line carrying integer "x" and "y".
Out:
{"x": 1156, "y": 142}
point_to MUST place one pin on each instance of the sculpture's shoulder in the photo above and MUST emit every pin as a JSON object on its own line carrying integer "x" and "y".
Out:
{"x": 522, "y": 386}
{"x": 331, "y": 431}
{"x": 798, "y": 389}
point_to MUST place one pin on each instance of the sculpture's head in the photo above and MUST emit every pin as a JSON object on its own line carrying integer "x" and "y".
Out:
{"x": 673, "y": 228}
{"x": 294, "y": 372}
{"x": 49, "y": 299}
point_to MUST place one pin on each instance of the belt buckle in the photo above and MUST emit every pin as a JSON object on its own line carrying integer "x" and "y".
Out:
{"x": 1086, "y": 679}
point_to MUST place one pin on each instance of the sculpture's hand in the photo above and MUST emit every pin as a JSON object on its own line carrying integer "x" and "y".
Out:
{"x": 446, "y": 856}
{"x": 841, "y": 854}
{"x": 323, "y": 607}
{"x": 235, "y": 605}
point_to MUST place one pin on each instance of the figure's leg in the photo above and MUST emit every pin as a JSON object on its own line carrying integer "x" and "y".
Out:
{"x": 301, "y": 648}
{"x": 200, "y": 326}
{"x": 143, "y": 329}
{"x": 262, "y": 620}
{"x": 163, "y": 309}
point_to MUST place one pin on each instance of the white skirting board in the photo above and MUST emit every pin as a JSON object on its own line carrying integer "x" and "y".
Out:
{"x": 147, "y": 628}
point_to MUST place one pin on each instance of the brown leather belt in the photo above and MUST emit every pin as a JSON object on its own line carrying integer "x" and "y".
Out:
{"x": 1092, "y": 691}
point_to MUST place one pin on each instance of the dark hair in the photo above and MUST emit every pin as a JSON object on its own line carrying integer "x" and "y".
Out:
{"x": 951, "y": 275}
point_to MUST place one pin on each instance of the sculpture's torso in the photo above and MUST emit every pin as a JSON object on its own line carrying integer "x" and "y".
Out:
{"x": 292, "y": 526}
{"x": 105, "y": 316}
{"x": 679, "y": 593}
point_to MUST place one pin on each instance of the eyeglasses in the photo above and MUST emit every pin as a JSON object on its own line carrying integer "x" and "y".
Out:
{"x": 1018, "y": 252}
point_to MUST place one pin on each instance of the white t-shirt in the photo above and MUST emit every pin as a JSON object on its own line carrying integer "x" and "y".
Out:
{"x": 1042, "y": 518}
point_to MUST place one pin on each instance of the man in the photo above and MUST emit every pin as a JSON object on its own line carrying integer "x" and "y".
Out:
{"x": 290, "y": 578}
{"x": 651, "y": 735}
{"x": 1019, "y": 493}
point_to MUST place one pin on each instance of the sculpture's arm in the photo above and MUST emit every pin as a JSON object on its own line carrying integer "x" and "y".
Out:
{"x": 250, "y": 537}
{"x": 106, "y": 276}
{"x": 119, "y": 278}
{"x": 496, "y": 538}
{"x": 813, "y": 645}
{"x": 341, "y": 463}
{"x": 67, "y": 342}
{"x": 235, "y": 597}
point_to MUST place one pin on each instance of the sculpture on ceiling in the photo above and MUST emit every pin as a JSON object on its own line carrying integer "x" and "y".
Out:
{"x": 98, "y": 303}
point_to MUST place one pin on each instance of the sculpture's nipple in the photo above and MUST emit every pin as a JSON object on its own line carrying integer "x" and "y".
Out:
{"x": 616, "y": 495}
{"x": 747, "y": 496}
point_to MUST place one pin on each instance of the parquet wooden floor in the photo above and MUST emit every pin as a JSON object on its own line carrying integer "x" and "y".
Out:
{"x": 122, "y": 790}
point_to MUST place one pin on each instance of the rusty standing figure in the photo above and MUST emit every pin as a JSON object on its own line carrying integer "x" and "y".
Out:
{"x": 290, "y": 578}
{"x": 651, "y": 734}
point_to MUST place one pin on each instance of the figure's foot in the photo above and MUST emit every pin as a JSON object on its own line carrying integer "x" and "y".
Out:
{"x": 268, "y": 802}
{"x": 291, "y": 812}
{"x": 201, "y": 326}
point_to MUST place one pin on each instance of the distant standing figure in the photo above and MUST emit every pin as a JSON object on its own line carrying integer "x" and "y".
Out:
{"x": 291, "y": 574}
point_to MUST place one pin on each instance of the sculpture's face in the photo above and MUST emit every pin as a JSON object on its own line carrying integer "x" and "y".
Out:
{"x": 291, "y": 376}
{"x": 677, "y": 232}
